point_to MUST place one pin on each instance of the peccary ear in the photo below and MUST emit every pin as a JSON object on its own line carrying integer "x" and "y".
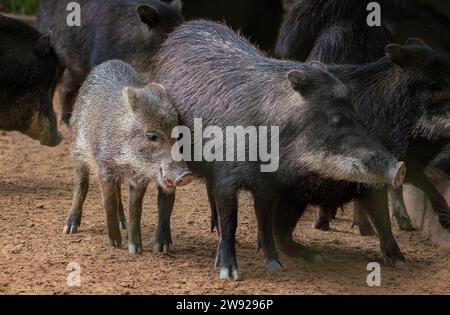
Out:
{"x": 142, "y": 99}
{"x": 132, "y": 96}
{"x": 398, "y": 54}
{"x": 318, "y": 65}
{"x": 148, "y": 14}
{"x": 43, "y": 47}
{"x": 177, "y": 5}
{"x": 300, "y": 81}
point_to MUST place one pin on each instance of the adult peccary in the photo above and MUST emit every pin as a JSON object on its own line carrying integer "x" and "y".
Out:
{"x": 129, "y": 30}
{"x": 333, "y": 31}
{"x": 28, "y": 75}
{"x": 258, "y": 20}
{"x": 404, "y": 100}
{"x": 123, "y": 129}
{"x": 340, "y": 35}
{"x": 216, "y": 75}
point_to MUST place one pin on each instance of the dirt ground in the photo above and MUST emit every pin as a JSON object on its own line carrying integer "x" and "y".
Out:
{"x": 35, "y": 196}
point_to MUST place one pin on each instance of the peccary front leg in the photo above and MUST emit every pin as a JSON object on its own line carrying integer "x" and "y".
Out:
{"x": 376, "y": 204}
{"x": 212, "y": 204}
{"x": 322, "y": 219}
{"x": 122, "y": 217}
{"x": 399, "y": 209}
{"x": 111, "y": 204}
{"x": 70, "y": 85}
{"x": 136, "y": 197}
{"x": 264, "y": 207}
{"x": 286, "y": 216}
{"x": 437, "y": 201}
{"x": 163, "y": 241}
{"x": 81, "y": 188}
{"x": 227, "y": 208}
{"x": 361, "y": 220}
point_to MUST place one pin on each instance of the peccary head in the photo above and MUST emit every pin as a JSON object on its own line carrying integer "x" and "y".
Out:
{"x": 30, "y": 70}
{"x": 427, "y": 77}
{"x": 328, "y": 137}
{"x": 150, "y": 143}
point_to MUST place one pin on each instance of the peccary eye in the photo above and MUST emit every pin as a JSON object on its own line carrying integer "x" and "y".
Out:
{"x": 335, "y": 119}
{"x": 153, "y": 138}
{"x": 435, "y": 87}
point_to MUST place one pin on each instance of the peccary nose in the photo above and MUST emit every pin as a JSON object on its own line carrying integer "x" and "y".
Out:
{"x": 53, "y": 140}
{"x": 184, "y": 179}
{"x": 397, "y": 174}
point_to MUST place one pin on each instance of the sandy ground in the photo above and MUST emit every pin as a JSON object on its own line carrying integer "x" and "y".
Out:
{"x": 35, "y": 196}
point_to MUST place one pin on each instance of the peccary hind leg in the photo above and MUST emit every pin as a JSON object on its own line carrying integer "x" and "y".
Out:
{"x": 399, "y": 209}
{"x": 286, "y": 217}
{"x": 136, "y": 197}
{"x": 81, "y": 184}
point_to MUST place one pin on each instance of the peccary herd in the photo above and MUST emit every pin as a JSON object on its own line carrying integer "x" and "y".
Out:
{"x": 359, "y": 110}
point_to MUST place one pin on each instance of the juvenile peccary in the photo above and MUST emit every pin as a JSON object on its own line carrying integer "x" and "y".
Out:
{"x": 216, "y": 75}
{"x": 123, "y": 129}
{"x": 332, "y": 31}
{"x": 28, "y": 71}
{"x": 258, "y": 20}
{"x": 129, "y": 30}
{"x": 404, "y": 100}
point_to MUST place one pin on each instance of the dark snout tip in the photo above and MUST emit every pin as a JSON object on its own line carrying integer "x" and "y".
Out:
{"x": 398, "y": 174}
{"x": 54, "y": 140}
{"x": 184, "y": 179}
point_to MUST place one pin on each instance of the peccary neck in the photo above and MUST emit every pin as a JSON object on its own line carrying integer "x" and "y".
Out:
{"x": 381, "y": 97}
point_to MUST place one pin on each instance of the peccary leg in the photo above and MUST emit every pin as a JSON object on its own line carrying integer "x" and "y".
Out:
{"x": 212, "y": 204}
{"x": 361, "y": 220}
{"x": 122, "y": 217}
{"x": 68, "y": 93}
{"x": 322, "y": 219}
{"x": 376, "y": 204}
{"x": 227, "y": 207}
{"x": 437, "y": 201}
{"x": 286, "y": 216}
{"x": 136, "y": 197}
{"x": 81, "y": 185}
{"x": 399, "y": 209}
{"x": 264, "y": 206}
{"x": 111, "y": 204}
{"x": 163, "y": 241}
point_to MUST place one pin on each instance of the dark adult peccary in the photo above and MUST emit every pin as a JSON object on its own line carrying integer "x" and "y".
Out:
{"x": 332, "y": 31}
{"x": 123, "y": 129}
{"x": 214, "y": 74}
{"x": 258, "y": 20}
{"x": 343, "y": 37}
{"x": 28, "y": 74}
{"x": 129, "y": 30}
{"x": 404, "y": 100}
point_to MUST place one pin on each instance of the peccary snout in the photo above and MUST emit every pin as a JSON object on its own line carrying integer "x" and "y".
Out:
{"x": 397, "y": 174}
{"x": 44, "y": 129}
{"x": 176, "y": 174}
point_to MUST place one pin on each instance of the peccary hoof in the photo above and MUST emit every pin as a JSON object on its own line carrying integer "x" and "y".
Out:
{"x": 404, "y": 224}
{"x": 229, "y": 272}
{"x": 164, "y": 247}
{"x": 294, "y": 249}
{"x": 74, "y": 221}
{"x": 135, "y": 249}
{"x": 392, "y": 254}
{"x": 321, "y": 224}
{"x": 274, "y": 265}
{"x": 115, "y": 238}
